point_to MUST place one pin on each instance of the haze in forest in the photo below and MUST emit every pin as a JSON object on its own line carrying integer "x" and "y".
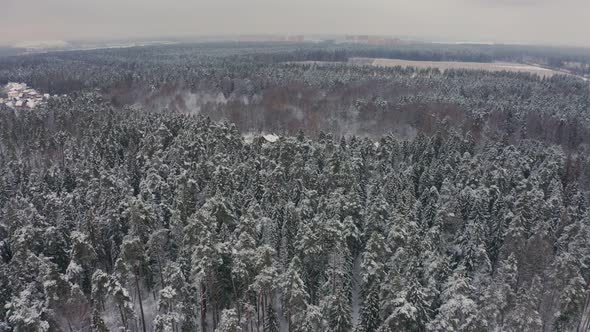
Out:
{"x": 556, "y": 22}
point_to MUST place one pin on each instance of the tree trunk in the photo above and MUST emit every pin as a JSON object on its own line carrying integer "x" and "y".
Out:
{"x": 215, "y": 317}
{"x": 203, "y": 309}
{"x": 584, "y": 325}
{"x": 123, "y": 320}
{"x": 238, "y": 304}
{"x": 139, "y": 299}
{"x": 161, "y": 274}
{"x": 260, "y": 310}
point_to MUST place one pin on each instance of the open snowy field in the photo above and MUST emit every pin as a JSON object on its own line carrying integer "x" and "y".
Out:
{"x": 446, "y": 65}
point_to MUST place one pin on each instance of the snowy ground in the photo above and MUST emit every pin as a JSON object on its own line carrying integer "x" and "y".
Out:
{"x": 249, "y": 137}
{"x": 271, "y": 138}
{"x": 446, "y": 65}
{"x": 41, "y": 44}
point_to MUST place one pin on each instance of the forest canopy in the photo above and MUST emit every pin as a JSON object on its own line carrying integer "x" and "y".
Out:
{"x": 392, "y": 199}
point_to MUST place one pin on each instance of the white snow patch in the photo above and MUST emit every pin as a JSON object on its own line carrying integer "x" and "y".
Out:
{"x": 248, "y": 138}
{"x": 41, "y": 44}
{"x": 271, "y": 138}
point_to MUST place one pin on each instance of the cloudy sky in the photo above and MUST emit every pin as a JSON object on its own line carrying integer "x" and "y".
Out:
{"x": 563, "y": 22}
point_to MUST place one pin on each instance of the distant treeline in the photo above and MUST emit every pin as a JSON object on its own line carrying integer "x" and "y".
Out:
{"x": 552, "y": 56}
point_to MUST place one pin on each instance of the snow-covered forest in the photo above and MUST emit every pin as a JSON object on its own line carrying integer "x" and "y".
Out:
{"x": 392, "y": 199}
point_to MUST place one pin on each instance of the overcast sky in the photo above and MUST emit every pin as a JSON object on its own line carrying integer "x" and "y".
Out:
{"x": 563, "y": 22}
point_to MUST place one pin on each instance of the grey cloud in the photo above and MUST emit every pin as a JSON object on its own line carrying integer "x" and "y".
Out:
{"x": 534, "y": 21}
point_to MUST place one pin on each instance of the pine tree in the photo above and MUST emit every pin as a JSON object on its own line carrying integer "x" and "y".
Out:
{"x": 373, "y": 273}
{"x": 132, "y": 251}
{"x": 229, "y": 322}
{"x": 98, "y": 324}
{"x": 499, "y": 295}
{"x": 169, "y": 316}
{"x": 200, "y": 243}
{"x": 27, "y": 312}
{"x": 271, "y": 323}
{"x": 339, "y": 313}
{"x": 458, "y": 311}
{"x": 524, "y": 316}
{"x": 294, "y": 294}
{"x": 370, "y": 312}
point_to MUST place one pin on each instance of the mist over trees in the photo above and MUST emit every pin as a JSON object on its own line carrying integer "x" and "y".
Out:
{"x": 394, "y": 199}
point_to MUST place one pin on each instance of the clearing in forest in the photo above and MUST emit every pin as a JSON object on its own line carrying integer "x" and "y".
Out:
{"x": 445, "y": 65}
